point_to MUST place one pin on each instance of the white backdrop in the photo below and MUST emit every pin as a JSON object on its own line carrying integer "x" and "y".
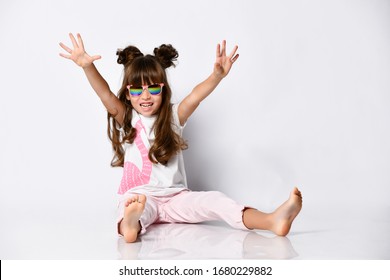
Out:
{"x": 306, "y": 104}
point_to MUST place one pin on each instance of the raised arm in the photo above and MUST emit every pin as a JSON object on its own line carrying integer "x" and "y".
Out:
{"x": 222, "y": 66}
{"x": 78, "y": 55}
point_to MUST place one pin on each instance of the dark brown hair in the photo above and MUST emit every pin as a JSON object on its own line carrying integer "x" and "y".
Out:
{"x": 140, "y": 68}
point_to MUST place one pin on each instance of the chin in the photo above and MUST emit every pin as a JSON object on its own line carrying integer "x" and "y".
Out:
{"x": 147, "y": 113}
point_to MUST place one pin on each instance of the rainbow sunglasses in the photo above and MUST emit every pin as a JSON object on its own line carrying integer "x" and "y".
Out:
{"x": 154, "y": 89}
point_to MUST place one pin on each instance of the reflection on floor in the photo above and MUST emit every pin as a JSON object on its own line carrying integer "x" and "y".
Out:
{"x": 338, "y": 233}
{"x": 319, "y": 233}
{"x": 203, "y": 241}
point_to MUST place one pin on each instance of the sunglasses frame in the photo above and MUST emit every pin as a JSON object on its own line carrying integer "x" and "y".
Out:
{"x": 144, "y": 87}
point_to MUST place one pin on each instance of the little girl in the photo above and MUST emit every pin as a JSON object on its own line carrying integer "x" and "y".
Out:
{"x": 146, "y": 134}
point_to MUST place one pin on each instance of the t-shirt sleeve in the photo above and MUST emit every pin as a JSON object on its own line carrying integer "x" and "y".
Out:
{"x": 176, "y": 122}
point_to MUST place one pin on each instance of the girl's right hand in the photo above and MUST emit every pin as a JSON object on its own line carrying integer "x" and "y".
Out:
{"x": 78, "y": 54}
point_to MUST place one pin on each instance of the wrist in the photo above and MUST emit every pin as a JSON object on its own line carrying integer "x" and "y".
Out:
{"x": 216, "y": 77}
{"x": 88, "y": 66}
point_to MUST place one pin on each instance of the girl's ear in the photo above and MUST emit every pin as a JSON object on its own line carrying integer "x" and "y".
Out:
{"x": 128, "y": 96}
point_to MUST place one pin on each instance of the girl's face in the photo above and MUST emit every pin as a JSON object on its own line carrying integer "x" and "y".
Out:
{"x": 146, "y": 100}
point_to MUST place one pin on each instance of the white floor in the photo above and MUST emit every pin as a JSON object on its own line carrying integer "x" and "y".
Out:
{"x": 316, "y": 234}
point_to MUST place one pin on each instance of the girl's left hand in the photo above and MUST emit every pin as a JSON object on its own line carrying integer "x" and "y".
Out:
{"x": 224, "y": 63}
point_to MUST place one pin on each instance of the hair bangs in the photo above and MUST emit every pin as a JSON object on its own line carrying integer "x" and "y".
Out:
{"x": 146, "y": 70}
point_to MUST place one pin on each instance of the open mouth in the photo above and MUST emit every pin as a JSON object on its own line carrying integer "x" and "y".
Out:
{"x": 146, "y": 105}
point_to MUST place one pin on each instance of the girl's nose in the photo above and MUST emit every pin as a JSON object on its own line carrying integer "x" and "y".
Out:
{"x": 145, "y": 94}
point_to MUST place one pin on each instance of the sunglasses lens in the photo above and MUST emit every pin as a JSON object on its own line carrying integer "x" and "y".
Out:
{"x": 154, "y": 89}
{"x": 135, "y": 91}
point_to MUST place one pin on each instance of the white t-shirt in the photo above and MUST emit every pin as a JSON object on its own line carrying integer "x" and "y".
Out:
{"x": 140, "y": 175}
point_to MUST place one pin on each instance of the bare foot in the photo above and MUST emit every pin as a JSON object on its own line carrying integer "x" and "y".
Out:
{"x": 130, "y": 226}
{"x": 286, "y": 213}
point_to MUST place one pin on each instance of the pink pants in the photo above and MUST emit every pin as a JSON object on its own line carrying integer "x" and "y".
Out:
{"x": 189, "y": 207}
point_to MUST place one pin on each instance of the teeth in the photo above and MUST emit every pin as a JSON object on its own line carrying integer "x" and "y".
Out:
{"x": 146, "y": 105}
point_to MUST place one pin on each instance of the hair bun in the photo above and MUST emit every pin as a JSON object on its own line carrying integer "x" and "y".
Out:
{"x": 128, "y": 54}
{"x": 166, "y": 55}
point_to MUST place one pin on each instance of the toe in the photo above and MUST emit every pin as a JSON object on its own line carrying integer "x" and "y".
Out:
{"x": 142, "y": 199}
